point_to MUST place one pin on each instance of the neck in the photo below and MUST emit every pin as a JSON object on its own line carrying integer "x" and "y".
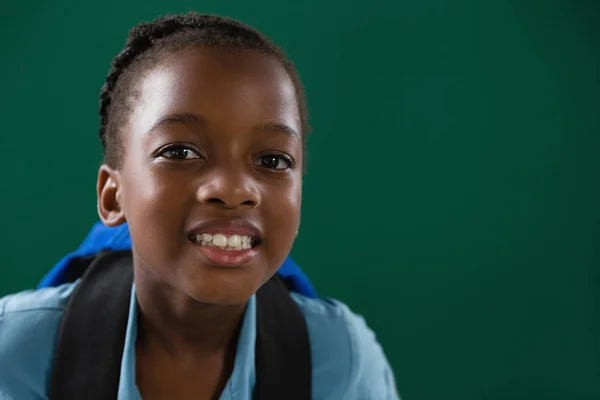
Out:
{"x": 172, "y": 321}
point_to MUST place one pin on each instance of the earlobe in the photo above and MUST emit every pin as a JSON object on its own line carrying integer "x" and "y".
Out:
{"x": 108, "y": 191}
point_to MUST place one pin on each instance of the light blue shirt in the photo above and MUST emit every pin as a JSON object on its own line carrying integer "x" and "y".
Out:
{"x": 348, "y": 363}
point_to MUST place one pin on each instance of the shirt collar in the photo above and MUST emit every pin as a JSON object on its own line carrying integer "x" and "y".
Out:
{"x": 242, "y": 380}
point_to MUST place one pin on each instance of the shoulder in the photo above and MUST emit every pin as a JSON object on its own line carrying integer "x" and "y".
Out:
{"x": 29, "y": 323}
{"x": 54, "y": 298}
{"x": 348, "y": 362}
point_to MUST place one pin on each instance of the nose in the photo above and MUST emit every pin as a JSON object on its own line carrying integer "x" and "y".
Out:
{"x": 230, "y": 189}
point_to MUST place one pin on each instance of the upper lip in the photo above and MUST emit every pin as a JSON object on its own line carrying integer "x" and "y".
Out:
{"x": 228, "y": 227}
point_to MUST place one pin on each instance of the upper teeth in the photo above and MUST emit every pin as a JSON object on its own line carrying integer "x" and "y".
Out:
{"x": 228, "y": 242}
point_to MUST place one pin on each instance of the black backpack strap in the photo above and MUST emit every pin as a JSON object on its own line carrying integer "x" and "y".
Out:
{"x": 91, "y": 338}
{"x": 283, "y": 357}
{"x": 89, "y": 348}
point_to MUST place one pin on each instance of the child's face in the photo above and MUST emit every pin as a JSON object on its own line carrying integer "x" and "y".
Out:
{"x": 237, "y": 109}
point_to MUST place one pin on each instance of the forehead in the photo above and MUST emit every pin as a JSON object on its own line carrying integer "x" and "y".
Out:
{"x": 226, "y": 88}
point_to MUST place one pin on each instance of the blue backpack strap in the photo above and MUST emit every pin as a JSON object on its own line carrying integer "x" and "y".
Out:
{"x": 117, "y": 238}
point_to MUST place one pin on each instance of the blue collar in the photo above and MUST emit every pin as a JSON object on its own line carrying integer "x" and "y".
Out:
{"x": 242, "y": 379}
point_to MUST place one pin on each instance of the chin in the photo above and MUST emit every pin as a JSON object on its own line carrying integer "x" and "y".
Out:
{"x": 222, "y": 288}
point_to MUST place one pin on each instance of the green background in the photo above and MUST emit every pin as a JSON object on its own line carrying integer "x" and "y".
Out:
{"x": 452, "y": 194}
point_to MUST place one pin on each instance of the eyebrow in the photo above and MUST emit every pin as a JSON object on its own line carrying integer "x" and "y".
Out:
{"x": 194, "y": 119}
{"x": 182, "y": 118}
{"x": 276, "y": 127}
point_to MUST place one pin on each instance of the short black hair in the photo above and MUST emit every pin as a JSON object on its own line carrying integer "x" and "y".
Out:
{"x": 148, "y": 42}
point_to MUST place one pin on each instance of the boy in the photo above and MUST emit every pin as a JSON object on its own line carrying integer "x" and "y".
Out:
{"x": 203, "y": 124}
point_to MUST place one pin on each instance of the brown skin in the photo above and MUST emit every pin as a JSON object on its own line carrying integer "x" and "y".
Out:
{"x": 190, "y": 311}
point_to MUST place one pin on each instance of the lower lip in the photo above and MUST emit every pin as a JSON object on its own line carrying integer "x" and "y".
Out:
{"x": 227, "y": 258}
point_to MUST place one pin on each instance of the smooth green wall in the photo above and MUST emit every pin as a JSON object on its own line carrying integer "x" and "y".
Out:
{"x": 452, "y": 196}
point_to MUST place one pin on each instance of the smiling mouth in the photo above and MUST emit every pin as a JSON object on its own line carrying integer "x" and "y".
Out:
{"x": 225, "y": 242}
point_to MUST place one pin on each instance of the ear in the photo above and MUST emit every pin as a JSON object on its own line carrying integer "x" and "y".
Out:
{"x": 108, "y": 191}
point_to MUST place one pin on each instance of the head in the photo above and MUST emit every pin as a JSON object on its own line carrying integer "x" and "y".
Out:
{"x": 203, "y": 125}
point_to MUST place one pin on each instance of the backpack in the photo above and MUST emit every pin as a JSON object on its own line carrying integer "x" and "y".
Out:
{"x": 89, "y": 345}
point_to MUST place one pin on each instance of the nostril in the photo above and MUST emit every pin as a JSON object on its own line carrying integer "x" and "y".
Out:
{"x": 221, "y": 203}
{"x": 215, "y": 200}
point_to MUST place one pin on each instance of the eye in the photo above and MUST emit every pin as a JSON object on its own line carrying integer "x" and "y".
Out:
{"x": 179, "y": 152}
{"x": 275, "y": 161}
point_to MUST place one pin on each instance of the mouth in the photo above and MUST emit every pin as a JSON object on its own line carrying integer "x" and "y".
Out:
{"x": 223, "y": 241}
{"x": 226, "y": 243}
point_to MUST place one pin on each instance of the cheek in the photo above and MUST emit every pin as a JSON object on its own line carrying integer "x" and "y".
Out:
{"x": 144, "y": 192}
{"x": 282, "y": 211}
{"x": 153, "y": 206}
{"x": 292, "y": 204}
{"x": 284, "y": 200}
{"x": 147, "y": 186}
